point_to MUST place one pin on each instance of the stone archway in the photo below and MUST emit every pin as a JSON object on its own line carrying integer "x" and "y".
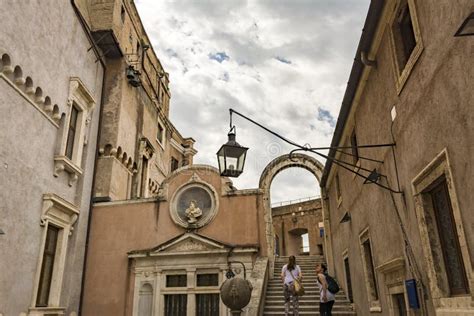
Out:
{"x": 271, "y": 170}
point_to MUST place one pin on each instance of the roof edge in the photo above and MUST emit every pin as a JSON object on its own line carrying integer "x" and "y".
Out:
{"x": 366, "y": 39}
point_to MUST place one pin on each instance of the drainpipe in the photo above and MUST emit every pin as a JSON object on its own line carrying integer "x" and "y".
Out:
{"x": 99, "y": 128}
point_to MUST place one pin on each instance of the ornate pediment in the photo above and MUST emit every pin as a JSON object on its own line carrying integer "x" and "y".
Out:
{"x": 188, "y": 243}
{"x": 191, "y": 244}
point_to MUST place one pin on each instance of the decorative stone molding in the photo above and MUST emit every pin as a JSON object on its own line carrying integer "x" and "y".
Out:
{"x": 46, "y": 311}
{"x": 436, "y": 271}
{"x": 58, "y": 211}
{"x": 116, "y": 152}
{"x": 63, "y": 215}
{"x": 62, "y": 163}
{"x": 194, "y": 204}
{"x": 393, "y": 271}
{"x": 24, "y": 86}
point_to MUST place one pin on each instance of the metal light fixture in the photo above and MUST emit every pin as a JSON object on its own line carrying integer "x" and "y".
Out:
{"x": 373, "y": 177}
{"x": 231, "y": 157}
{"x": 467, "y": 27}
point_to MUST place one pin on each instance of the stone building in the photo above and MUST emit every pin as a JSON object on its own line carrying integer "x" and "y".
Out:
{"x": 139, "y": 146}
{"x": 169, "y": 255}
{"x": 83, "y": 80}
{"x": 292, "y": 221}
{"x": 50, "y": 99}
{"x": 410, "y": 85}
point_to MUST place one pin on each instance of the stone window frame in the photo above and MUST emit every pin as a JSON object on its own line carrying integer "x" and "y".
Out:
{"x": 161, "y": 142}
{"x": 192, "y": 289}
{"x": 337, "y": 188}
{"x": 63, "y": 215}
{"x": 441, "y": 166}
{"x": 401, "y": 76}
{"x": 345, "y": 255}
{"x": 157, "y": 280}
{"x": 394, "y": 275}
{"x": 374, "y": 305}
{"x": 82, "y": 99}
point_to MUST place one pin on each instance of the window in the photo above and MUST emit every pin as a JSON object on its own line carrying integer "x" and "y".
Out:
{"x": 208, "y": 279}
{"x": 122, "y": 14}
{"x": 355, "y": 150}
{"x": 348, "y": 279}
{"x": 369, "y": 270}
{"x": 176, "y": 304}
{"x": 456, "y": 273}
{"x": 174, "y": 164}
{"x": 207, "y": 304}
{"x": 49, "y": 254}
{"x": 176, "y": 280}
{"x": 338, "y": 190}
{"x": 406, "y": 40}
{"x": 161, "y": 133}
{"x": 58, "y": 218}
{"x": 144, "y": 178}
{"x": 399, "y": 304}
{"x": 441, "y": 226}
{"x": 72, "y": 131}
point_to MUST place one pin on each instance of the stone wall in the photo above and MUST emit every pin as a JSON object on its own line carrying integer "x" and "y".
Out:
{"x": 49, "y": 51}
{"x": 293, "y": 220}
{"x": 428, "y": 107}
{"x": 119, "y": 228}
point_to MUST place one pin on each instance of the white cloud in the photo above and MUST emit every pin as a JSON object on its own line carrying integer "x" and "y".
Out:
{"x": 283, "y": 63}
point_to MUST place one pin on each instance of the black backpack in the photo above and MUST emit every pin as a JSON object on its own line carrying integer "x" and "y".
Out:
{"x": 333, "y": 287}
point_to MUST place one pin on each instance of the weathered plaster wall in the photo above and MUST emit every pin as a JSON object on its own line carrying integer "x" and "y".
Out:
{"x": 434, "y": 111}
{"x": 120, "y": 227}
{"x": 46, "y": 39}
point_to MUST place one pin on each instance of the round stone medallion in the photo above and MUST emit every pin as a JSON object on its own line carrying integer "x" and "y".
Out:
{"x": 193, "y": 205}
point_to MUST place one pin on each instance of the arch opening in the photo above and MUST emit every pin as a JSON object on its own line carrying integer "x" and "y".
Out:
{"x": 294, "y": 221}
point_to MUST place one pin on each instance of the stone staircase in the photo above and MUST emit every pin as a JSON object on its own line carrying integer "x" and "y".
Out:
{"x": 309, "y": 303}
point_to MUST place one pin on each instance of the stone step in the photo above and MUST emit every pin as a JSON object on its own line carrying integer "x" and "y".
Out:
{"x": 308, "y": 303}
{"x": 302, "y": 308}
{"x": 312, "y": 313}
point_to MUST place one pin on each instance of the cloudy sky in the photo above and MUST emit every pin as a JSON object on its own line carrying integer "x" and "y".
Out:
{"x": 285, "y": 63}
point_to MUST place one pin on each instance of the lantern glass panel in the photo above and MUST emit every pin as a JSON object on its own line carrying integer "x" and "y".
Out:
{"x": 231, "y": 163}
{"x": 221, "y": 160}
{"x": 242, "y": 161}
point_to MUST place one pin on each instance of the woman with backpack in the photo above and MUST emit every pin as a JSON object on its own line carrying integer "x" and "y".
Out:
{"x": 289, "y": 274}
{"x": 326, "y": 297}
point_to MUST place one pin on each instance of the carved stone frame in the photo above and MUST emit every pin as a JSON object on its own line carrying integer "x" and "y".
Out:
{"x": 194, "y": 182}
{"x": 439, "y": 166}
{"x": 63, "y": 215}
{"x": 401, "y": 76}
{"x": 374, "y": 305}
{"x": 83, "y": 100}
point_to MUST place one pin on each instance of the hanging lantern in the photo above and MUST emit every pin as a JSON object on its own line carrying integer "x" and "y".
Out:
{"x": 231, "y": 157}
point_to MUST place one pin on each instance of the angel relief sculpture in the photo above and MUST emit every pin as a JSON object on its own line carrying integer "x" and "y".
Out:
{"x": 193, "y": 212}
